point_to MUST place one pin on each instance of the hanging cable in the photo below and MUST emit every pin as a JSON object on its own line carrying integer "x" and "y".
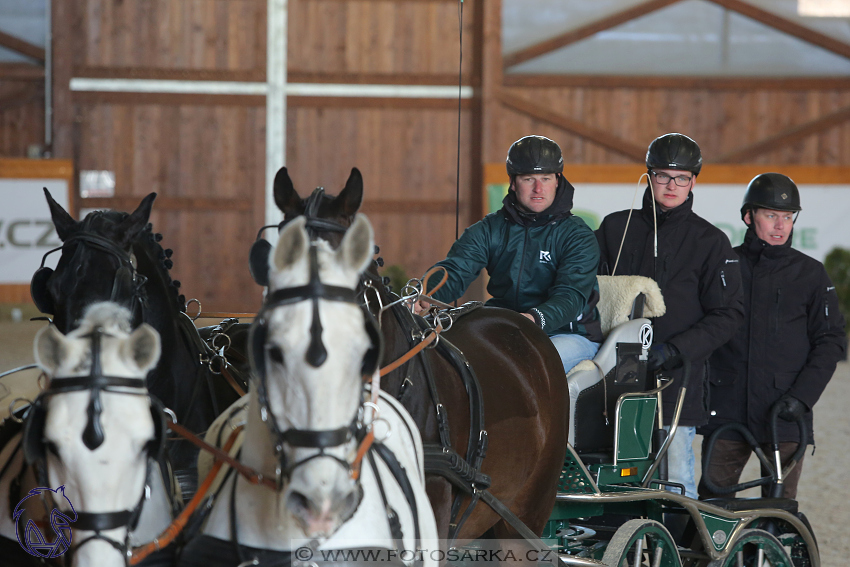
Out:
{"x": 628, "y": 220}
{"x": 459, "y": 96}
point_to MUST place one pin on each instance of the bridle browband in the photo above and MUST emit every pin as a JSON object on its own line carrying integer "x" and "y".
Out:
{"x": 93, "y": 437}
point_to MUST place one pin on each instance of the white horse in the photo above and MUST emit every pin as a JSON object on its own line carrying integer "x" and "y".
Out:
{"x": 304, "y": 418}
{"x": 95, "y": 432}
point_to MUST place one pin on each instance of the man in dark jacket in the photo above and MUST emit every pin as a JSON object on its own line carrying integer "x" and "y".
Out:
{"x": 540, "y": 257}
{"x": 785, "y": 353}
{"x": 694, "y": 265}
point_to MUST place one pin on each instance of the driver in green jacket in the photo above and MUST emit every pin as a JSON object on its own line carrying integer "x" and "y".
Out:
{"x": 541, "y": 258}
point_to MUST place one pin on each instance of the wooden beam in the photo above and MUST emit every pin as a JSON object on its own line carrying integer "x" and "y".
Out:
{"x": 161, "y": 74}
{"x": 438, "y": 79}
{"x": 22, "y": 47}
{"x": 21, "y": 72}
{"x": 784, "y": 25}
{"x": 679, "y": 83}
{"x": 585, "y": 31}
{"x": 786, "y": 137}
{"x": 600, "y": 137}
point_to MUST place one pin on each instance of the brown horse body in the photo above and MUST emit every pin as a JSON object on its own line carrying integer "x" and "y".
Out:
{"x": 525, "y": 403}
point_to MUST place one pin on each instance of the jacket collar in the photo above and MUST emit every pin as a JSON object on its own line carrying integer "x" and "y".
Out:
{"x": 559, "y": 209}
{"x": 673, "y": 216}
{"x": 754, "y": 247}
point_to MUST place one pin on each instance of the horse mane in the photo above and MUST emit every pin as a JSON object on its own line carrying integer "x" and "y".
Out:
{"x": 147, "y": 242}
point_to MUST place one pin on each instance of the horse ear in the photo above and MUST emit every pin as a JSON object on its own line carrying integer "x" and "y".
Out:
{"x": 358, "y": 245}
{"x": 63, "y": 222}
{"x": 349, "y": 199}
{"x": 143, "y": 347}
{"x": 291, "y": 245}
{"x": 49, "y": 349}
{"x": 285, "y": 196}
{"x": 137, "y": 220}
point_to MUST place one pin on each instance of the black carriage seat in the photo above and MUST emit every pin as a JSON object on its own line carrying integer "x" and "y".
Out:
{"x": 624, "y": 305}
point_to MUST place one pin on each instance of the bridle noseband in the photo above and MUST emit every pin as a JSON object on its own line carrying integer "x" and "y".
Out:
{"x": 93, "y": 437}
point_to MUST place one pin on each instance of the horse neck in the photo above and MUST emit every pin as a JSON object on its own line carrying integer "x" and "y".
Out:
{"x": 174, "y": 378}
{"x": 268, "y": 523}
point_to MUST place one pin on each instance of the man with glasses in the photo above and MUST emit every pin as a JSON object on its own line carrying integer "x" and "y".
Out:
{"x": 694, "y": 265}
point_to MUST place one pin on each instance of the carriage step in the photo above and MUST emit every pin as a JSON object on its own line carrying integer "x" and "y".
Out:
{"x": 738, "y": 504}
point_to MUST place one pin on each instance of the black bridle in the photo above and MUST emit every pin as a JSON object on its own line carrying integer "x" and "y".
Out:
{"x": 127, "y": 283}
{"x": 93, "y": 437}
{"x": 315, "y": 356}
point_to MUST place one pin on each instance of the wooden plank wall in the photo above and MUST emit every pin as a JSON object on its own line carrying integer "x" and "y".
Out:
{"x": 205, "y": 155}
{"x": 21, "y": 116}
{"x": 720, "y": 120}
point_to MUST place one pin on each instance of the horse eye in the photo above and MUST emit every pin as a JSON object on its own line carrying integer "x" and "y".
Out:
{"x": 276, "y": 354}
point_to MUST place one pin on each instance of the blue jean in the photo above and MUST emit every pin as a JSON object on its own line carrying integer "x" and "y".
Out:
{"x": 573, "y": 349}
{"x": 681, "y": 461}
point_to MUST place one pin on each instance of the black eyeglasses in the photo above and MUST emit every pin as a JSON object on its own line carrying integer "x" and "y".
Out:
{"x": 664, "y": 179}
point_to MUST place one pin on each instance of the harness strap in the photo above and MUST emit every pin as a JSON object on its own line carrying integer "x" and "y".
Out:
{"x": 173, "y": 530}
{"x": 248, "y": 473}
{"x": 400, "y": 475}
{"x": 392, "y": 517}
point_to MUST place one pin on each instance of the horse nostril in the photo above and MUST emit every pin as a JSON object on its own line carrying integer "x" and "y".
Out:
{"x": 298, "y": 503}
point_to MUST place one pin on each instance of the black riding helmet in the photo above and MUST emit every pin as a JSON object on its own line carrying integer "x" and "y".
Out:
{"x": 534, "y": 154}
{"x": 771, "y": 191}
{"x": 674, "y": 151}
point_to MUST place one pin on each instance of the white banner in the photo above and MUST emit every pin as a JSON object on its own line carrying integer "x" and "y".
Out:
{"x": 26, "y": 230}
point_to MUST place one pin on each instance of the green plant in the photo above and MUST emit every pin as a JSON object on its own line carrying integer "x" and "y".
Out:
{"x": 837, "y": 264}
{"x": 398, "y": 277}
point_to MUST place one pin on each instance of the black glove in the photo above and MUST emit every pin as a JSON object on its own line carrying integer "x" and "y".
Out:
{"x": 790, "y": 408}
{"x": 663, "y": 356}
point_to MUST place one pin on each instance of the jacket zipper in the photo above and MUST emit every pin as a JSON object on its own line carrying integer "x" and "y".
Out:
{"x": 521, "y": 267}
{"x": 776, "y": 311}
{"x": 826, "y": 310}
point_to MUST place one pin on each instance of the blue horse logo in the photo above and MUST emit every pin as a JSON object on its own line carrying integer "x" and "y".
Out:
{"x": 33, "y": 540}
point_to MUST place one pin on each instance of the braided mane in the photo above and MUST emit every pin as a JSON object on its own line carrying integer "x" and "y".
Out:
{"x": 147, "y": 243}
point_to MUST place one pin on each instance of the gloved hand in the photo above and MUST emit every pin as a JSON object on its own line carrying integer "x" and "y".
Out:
{"x": 663, "y": 356}
{"x": 790, "y": 408}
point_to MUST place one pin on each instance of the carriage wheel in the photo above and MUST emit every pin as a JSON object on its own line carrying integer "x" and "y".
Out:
{"x": 755, "y": 548}
{"x": 642, "y": 542}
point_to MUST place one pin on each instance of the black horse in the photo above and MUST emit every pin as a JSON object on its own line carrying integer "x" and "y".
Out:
{"x": 115, "y": 256}
{"x": 519, "y": 397}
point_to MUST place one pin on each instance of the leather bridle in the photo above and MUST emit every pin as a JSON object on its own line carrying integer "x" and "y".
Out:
{"x": 95, "y": 382}
{"x": 315, "y": 356}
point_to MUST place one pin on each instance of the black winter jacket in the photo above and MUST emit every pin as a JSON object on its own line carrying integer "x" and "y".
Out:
{"x": 791, "y": 340}
{"x": 699, "y": 278}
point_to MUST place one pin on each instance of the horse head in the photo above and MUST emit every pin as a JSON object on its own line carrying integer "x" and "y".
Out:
{"x": 312, "y": 342}
{"x": 96, "y": 264}
{"x": 327, "y": 217}
{"x": 95, "y": 429}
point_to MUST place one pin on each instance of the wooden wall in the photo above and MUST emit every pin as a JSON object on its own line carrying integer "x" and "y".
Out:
{"x": 21, "y": 116}
{"x": 205, "y": 155}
